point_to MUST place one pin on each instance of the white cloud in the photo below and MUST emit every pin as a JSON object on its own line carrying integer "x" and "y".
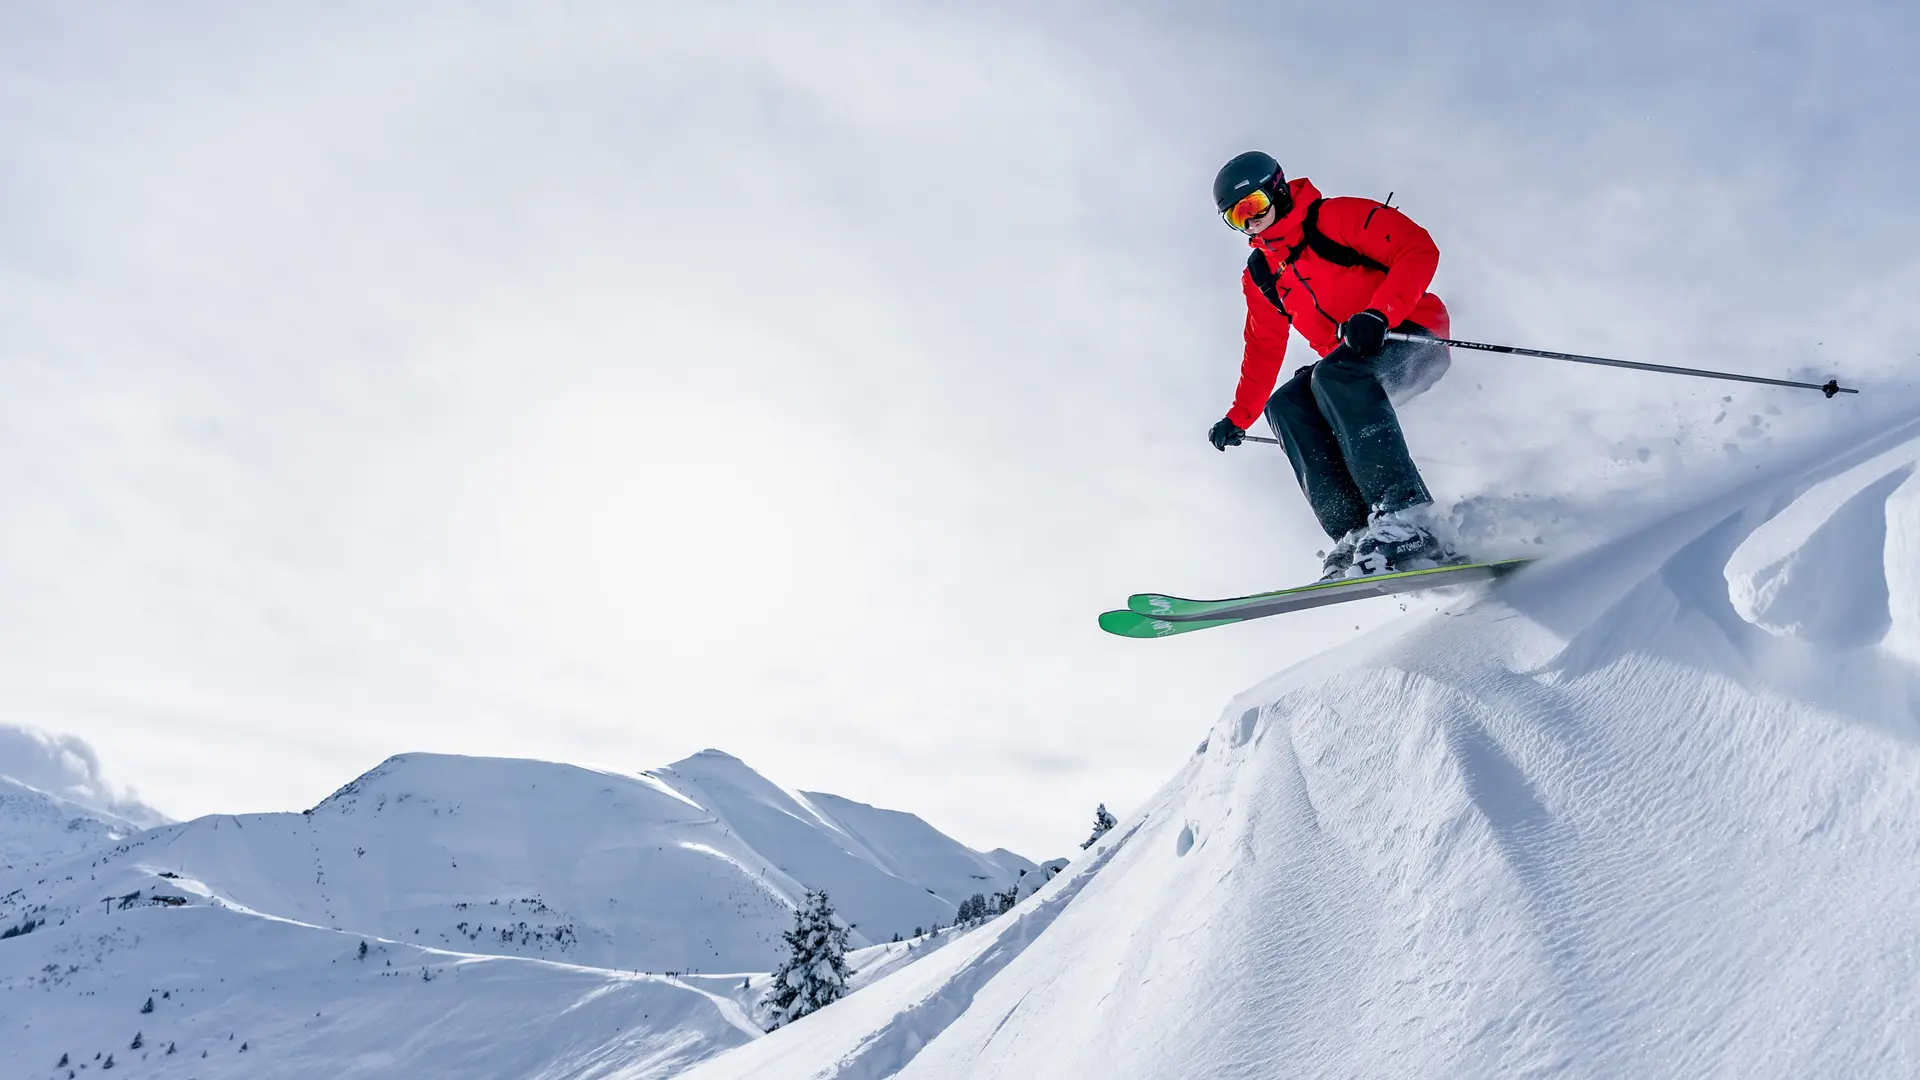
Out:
{"x": 65, "y": 766}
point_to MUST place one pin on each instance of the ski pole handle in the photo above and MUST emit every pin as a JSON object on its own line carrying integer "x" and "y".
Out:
{"x": 1829, "y": 388}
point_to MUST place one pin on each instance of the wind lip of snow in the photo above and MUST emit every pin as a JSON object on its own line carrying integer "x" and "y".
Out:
{"x": 1639, "y": 548}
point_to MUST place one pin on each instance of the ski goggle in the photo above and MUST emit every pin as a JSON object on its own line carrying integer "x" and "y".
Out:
{"x": 1249, "y": 209}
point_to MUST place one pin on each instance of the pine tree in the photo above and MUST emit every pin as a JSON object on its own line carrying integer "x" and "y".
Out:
{"x": 814, "y": 975}
{"x": 139, "y": 1040}
{"x": 973, "y": 910}
{"x": 1004, "y": 901}
{"x": 148, "y": 1007}
{"x": 1102, "y": 821}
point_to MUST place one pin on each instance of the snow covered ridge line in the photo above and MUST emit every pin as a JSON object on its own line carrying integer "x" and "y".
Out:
{"x": 693, "y": 868}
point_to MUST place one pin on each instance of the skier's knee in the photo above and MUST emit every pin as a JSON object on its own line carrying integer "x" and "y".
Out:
{"x": 1294, "y": 398}
{"x": 1338, "y": 371}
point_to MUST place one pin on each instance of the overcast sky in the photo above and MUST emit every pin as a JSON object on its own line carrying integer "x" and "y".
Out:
{"x": 601, "y": 382}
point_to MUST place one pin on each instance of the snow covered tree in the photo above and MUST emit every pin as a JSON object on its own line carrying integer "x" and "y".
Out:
{"x": 1102, "y": 821}
{"x": 1004, "y": 901}
{"x": 973, "y": 909}
{"x": 814, "y": 975}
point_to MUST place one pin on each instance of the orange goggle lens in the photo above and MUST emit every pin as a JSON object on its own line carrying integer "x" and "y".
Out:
{"x": 1248, "y": 209}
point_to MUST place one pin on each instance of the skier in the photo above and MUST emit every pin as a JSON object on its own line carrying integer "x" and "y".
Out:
{"x": 1342, "y": 271}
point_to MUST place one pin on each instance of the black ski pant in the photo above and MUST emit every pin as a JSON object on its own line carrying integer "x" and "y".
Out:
{"x": 1337, "y": 422}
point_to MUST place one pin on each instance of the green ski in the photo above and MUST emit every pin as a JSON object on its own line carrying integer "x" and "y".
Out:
{"x": 1134, "y": 624}
{"x": 1151, "y": 615}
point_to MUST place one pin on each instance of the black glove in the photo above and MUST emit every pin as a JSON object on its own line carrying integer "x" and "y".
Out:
{"x": 1224, "y": 434}
{"x": 1365, "y": 333}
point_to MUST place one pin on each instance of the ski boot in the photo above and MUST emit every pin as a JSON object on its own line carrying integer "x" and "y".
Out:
{"x": 1398, "y": 540}
{"x": 1338, "y": 561}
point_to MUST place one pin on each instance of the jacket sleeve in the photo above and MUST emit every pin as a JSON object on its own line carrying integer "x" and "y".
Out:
{"x": 1388, "y": 236}
{"x": 1266, "y": 338}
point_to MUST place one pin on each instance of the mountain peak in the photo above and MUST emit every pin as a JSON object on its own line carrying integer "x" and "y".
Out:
{"x": 710, "y": 758}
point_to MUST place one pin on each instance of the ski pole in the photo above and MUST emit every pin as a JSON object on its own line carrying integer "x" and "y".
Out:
{"x": 1829, "y": 388}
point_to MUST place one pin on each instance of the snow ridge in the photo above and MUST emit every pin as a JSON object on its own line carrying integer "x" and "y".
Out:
{"x": 42, "y": 827}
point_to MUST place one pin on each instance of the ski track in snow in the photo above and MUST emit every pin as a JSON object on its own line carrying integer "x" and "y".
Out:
{"x": 1650, "y": 809}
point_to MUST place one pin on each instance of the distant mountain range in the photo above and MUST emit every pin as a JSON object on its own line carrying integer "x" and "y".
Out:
{"x": 623, "y": 912}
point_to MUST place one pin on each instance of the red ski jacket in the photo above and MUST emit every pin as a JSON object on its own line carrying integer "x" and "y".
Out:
{"x": 1319, "y": 295}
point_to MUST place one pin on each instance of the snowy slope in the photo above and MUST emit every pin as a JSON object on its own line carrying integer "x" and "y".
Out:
{"x": 37, "y": 827}
{"x": 242, "y": 995}
{"x": 888, "y": 872}
{"x": 1649, "y": 810}
{"x": 467, "y": 878}
{"x": 909, "y": 848}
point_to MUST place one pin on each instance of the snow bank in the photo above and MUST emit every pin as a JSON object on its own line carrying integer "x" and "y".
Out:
{"x": 1650, "y": 810}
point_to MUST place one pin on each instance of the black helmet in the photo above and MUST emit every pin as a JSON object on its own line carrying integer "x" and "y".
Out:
{"x": 1240, "y": 177}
